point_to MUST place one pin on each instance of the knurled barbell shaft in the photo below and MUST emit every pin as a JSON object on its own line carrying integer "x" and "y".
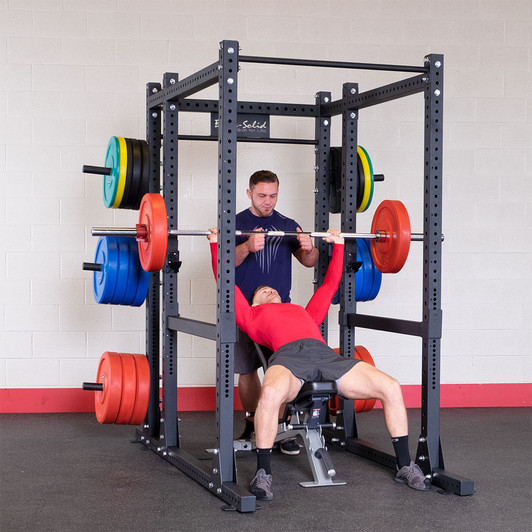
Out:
{"x": 317, "y": 234}
{"x": 131, "y": 231}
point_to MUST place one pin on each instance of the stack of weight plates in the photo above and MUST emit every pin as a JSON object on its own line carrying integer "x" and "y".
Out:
{"x": 128, "y": 180}
{"x": 121, "y": 280}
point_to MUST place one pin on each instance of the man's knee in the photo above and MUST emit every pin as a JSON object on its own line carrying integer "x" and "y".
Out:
{"x": 272, "y": 395}
{"x": 391, "y": 389}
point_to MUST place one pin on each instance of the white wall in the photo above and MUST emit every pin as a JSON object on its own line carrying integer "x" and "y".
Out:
{"x": 73, "y": 73}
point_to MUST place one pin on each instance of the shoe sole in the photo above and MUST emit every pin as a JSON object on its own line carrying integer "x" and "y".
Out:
{"x": 261, "y": 495}
{"x": 401, "y": 481}
{"x": 290, "y": 453}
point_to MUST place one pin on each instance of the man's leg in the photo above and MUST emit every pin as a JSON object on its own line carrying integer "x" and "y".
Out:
{"x": 246, "y": 364}
{"x": 249, "y": 390}
{"x": 364, "y": 381}
{"x": 249, "y": 387}
{"x": 279, "y": 386}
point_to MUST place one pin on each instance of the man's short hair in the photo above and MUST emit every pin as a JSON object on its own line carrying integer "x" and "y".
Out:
{"x": 262, "y": 176}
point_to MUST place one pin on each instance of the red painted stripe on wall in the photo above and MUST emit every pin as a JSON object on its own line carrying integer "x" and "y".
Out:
{"x": 48, "y": 400}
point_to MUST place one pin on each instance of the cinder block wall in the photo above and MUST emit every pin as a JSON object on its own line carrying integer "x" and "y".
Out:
{"x": 73, "y": 73}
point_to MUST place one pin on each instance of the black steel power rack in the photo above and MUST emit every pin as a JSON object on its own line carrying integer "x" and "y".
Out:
{"x": 164, "y": 103}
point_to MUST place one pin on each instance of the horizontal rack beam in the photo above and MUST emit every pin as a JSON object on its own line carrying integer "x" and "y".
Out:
{"x": 181, "y": 89}
{"x": 191, "y": 105}
{"x": 383, "y": 94}
{"x": 330, "y": 64}
{"x": 251, "y": 139}
{"x": 394, "y": 325}
{"x": 194, "y": 327}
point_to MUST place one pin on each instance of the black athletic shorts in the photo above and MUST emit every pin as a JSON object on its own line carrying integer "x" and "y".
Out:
{"x": 312, "y": 360}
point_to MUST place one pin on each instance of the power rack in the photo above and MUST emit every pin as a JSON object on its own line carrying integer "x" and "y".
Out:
{"x": 163, "y": 106}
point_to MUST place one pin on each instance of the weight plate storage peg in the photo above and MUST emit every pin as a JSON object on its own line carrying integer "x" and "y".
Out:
{"x": 141, "y": 173}
{"x": 123, "y": 173}
{"x": 129, "y": 389}
{"x": 367, "y": 277}
{"x": 365, "y": 184}
{"x": 122, "y": 277}
{"x": 122, "y": 390}
{"x": 374, "y": 275}
{"x": 367, "y": 178}
{"x": 126, "y": 198}
{"x": 118, "y": 277}
{"x": 105, "y": 280}
{"x": 138, "y": 280}
{"x": 110, "y": 181}
{"x": 126, "y": 172}
{"x": 143, "y": 390}
{"x": 109, "y": 375}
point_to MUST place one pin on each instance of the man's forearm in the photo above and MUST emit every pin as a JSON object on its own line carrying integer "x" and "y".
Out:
{"x": 241, "y": 252}
{"x": 308, "y": 258}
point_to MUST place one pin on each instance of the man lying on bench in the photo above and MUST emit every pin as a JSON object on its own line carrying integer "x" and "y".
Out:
{"x": 301, "y": 354}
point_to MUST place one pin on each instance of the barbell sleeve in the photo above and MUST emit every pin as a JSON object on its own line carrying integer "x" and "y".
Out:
{"x": 114, "y": 231}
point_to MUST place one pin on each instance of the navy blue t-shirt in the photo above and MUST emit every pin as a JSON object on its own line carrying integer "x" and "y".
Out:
{"x": 271, "y": 266}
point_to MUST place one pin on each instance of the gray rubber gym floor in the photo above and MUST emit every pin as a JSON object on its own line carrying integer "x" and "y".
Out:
{"x": 66, "y": 472}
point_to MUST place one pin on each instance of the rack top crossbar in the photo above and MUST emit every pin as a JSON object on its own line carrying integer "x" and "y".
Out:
{"x": 330, "y": 64}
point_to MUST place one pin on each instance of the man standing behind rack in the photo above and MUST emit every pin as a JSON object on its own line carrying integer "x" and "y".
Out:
{"x": 261, "y": 261}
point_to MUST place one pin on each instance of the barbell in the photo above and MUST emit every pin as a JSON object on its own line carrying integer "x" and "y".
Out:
{"x": 390, "y": 234}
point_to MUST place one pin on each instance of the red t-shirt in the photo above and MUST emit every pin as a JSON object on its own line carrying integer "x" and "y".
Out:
{"x": 276, "y": 324}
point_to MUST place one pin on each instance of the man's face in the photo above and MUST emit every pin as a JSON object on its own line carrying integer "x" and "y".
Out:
{"x": 266, "y": 294}
{"x": 263, "y": 198}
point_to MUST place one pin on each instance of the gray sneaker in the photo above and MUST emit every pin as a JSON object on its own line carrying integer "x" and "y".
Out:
{"x": 413, "y": 477}
{"x": 261, "y": 486}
